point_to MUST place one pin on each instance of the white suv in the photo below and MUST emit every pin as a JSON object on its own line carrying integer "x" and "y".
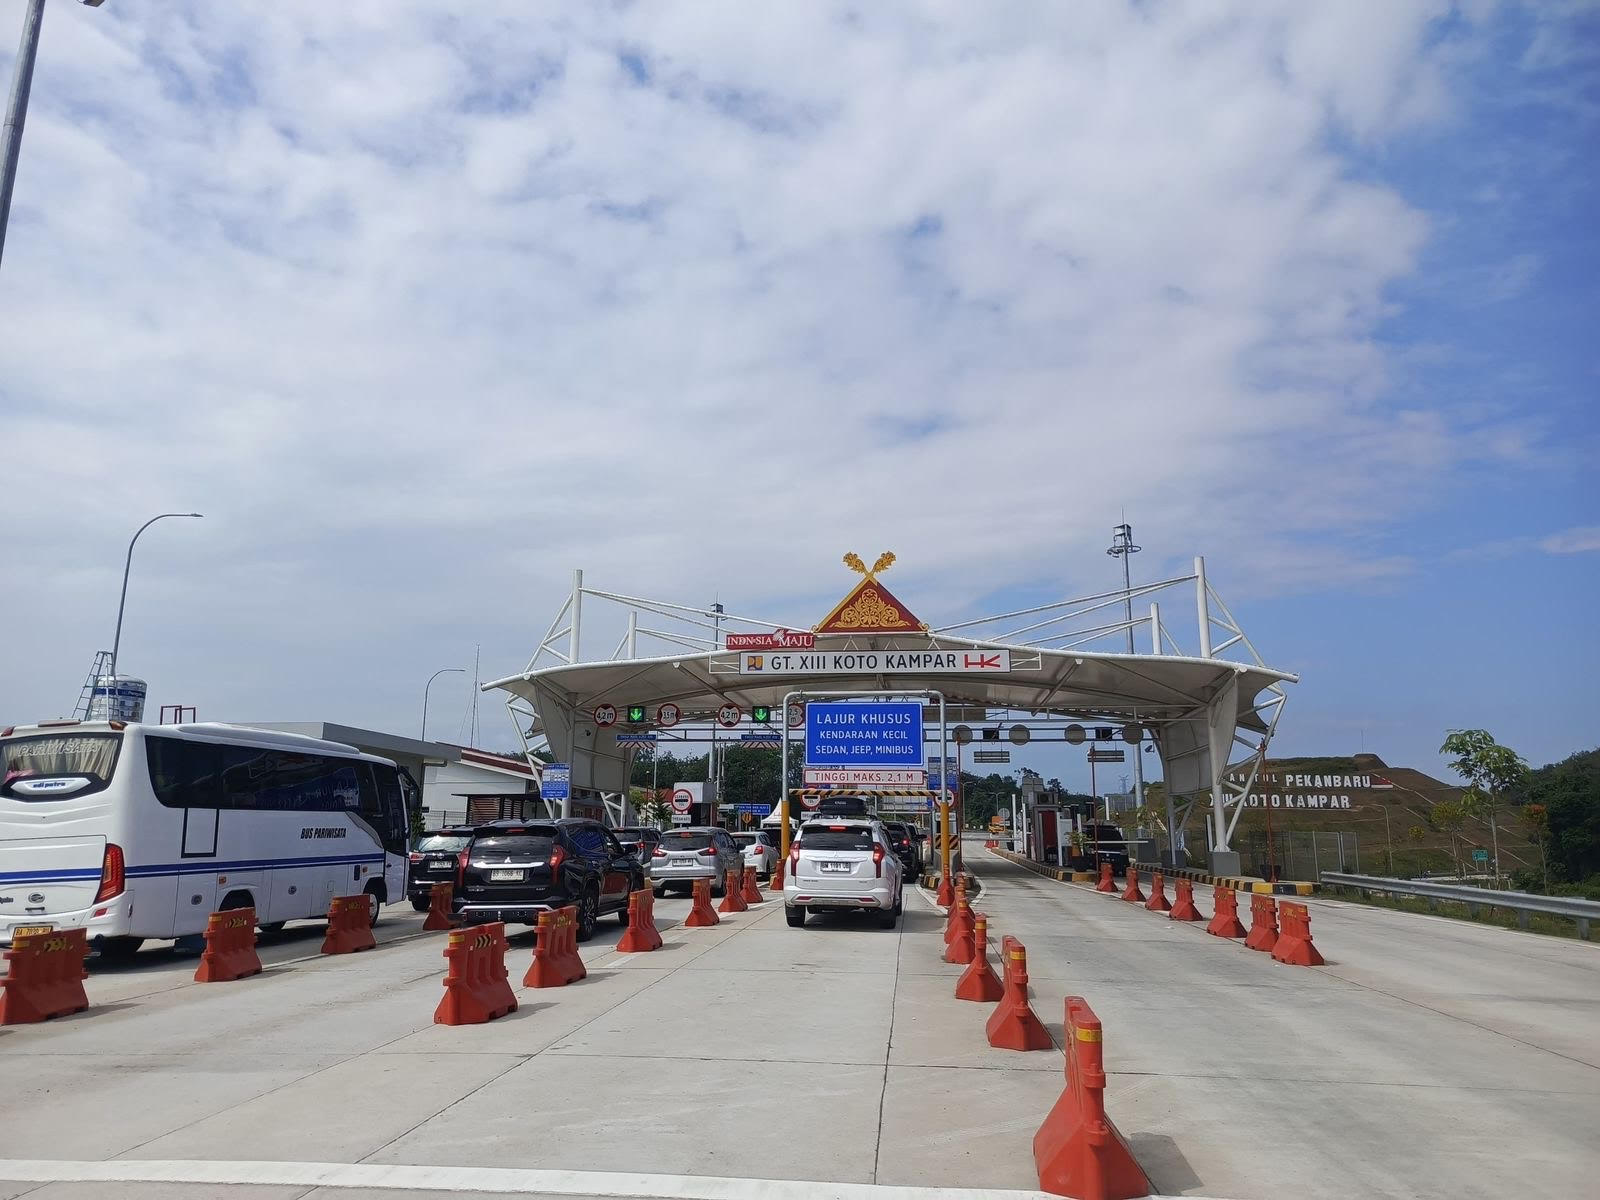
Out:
{"x": 842, "y": 863}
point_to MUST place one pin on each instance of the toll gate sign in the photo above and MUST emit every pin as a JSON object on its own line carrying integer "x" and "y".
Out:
{"x": 864, "y": 734}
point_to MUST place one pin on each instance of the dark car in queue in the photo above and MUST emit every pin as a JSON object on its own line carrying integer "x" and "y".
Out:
{"x": 514, "y": 870}
{"x": 433, "y": 860}
{"x": 907, "y": 846}
{"x": 641, "y": 841}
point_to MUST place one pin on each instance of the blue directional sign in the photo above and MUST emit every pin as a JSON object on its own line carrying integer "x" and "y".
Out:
{"x": 557, "y": 782}
{"x": 635, "y": 739}
{"x": 755, "y": 810}
{"x": 868, "y": 733}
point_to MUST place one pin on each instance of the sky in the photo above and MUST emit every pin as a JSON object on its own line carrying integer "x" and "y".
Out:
{"x": 425, "y": 308}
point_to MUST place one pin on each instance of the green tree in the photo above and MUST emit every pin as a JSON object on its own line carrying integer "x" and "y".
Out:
{"x": 1536, "y": 824}
{"x": 1570, "y": 793}
{"x": 1492, "y": 772}
{"x": 1449, "y": 816}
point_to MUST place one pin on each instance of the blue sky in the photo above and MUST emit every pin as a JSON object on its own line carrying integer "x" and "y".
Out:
{"x": 425, "y": 310}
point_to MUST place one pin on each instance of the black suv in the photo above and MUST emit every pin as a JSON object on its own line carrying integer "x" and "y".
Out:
{"x": 514, "y": 870}
{"x": 1109, "y": 843}
{"x": 641, "y": 841}
{"x": 907, "y": 847}
{"x": 433, "y": 860}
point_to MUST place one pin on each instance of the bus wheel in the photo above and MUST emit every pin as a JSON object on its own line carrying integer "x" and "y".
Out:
{"x": 374, "y": 903}
{"x": 119, "y": 949}
{"x": 236, "y": 900}
{"x": 272, "y": 927}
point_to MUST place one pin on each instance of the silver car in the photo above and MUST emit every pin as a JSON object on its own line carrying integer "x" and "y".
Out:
{"x": 695, "y": 852}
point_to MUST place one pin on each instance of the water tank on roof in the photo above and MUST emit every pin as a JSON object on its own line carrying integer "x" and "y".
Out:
{"x": 117, "y": 698}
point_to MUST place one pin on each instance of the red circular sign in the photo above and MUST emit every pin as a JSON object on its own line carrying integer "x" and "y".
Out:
{"x": 668, "y": 715}
{"x": 811, "y": 801}
{"x": 729, "y": 715}
{"x": 681, "y": 800}
{"x": 605, "y": 715}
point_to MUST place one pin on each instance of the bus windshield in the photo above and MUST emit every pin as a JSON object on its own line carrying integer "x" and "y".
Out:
{"x": 90, "y": 755}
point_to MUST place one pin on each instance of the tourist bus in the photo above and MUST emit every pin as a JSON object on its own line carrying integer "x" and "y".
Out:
{"x": 142, "y": 831}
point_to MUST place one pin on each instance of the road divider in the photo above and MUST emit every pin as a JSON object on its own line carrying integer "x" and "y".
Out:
{"x": 732, "y": 893}
{"x": 1013, "y": 1024}
{"x": 349, "y": 925}
{"x": 439, "y": 917}
{"x": 1158, "y": 894}
{"x": 1294, "y": 937}
{"x": 1106, "y": 884}
{"x": 555, "y": 954}
{"x": 45, "y": 977}
{"x": 1131, "y": 893}
{"x": 230, "y": 951}
{"x": 641, "y": 934}
{"x": 1078, "y": 1151}
{"x": 777, "y": 877}
{"x": 979, "y": 982}
{"x": 752, "y": 889}
{"x": 959, "y": 929}
{"x": 1226, "y": 922}
{"x": 701, "y": 914}
{"x": 476, "y": 987}
{"x": 1183, "y": 908}
{"x": 1263, "y": 923}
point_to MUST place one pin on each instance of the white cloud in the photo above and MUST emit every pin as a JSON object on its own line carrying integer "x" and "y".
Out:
{"x": 423, "y": 309}
{"x": 1579, "y": 540}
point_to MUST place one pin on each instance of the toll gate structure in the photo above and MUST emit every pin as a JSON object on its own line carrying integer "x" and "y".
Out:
{"x": 1201, "y": 696}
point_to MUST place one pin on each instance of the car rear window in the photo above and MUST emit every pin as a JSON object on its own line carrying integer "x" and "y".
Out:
{"x": 444, "y": 841}
{"x": 684, "y": 840}
{"x": 513, "y": 845}
{"x": 836, "y": 837}
{"x": 93, "y": 756}
{"x": 746, "y": 839}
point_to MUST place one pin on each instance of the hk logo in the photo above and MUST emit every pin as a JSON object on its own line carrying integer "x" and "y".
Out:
{"x": 982, "y": 662}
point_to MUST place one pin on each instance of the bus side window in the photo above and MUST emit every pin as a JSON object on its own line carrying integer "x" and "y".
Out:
{"x": 391, "y": 816}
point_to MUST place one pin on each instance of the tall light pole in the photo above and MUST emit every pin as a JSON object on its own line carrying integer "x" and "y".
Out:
{"x": 1122, "y": 547}
{"x": 429, "y": 684}
{"x": 116, "y": 642}
{"x": 17, "y": 108}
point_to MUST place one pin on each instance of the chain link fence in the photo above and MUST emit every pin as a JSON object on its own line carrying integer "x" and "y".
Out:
{"x": 1299, "y": 855}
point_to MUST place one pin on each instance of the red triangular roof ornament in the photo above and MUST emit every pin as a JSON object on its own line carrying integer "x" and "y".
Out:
{"x": 870, "y": 607}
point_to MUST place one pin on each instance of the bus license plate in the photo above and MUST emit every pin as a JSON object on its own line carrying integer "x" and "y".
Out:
{"x": 25, "y": 930}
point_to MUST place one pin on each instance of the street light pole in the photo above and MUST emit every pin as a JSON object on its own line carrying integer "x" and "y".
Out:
{"x": 17, "y": 107}
{"x": 1122, "y": 547}
{"x": 116, "y": 642}
{"x": 427, "y": 686}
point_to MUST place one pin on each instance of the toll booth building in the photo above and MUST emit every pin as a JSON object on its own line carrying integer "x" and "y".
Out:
{"x": 1159, "y": 673}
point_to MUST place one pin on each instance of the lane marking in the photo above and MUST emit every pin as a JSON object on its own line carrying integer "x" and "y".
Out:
{"x": 500, "y": 1181}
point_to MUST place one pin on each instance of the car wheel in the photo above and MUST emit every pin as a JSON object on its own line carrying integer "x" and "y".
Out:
{"x": 119, "y": 949}
{"x": 622, "y": 916}
{"x": 420, "y": 904}
{"x": 900, "y": 902}
{"x": 588, "y": 914}
{"x": 719, "y": 885}
{"x": 795, "y": 914}
{"x": 888, "y": 917}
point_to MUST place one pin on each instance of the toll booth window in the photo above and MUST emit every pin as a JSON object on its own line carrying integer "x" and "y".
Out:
{"x": 854, "y": 837}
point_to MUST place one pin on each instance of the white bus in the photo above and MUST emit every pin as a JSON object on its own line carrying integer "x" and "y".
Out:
{"x": 142, "y": 831}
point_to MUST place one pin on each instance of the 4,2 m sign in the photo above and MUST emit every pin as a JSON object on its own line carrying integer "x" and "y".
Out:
{"x": 877, "y": 662}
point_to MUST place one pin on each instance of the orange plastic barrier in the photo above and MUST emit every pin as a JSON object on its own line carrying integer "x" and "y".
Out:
{"x": 1158, "y": 894}
{"x": 349, "y": 926}
{"x": 1183, "y": 908}
{"x": 1226, "y": 923}
{"x": 732, "y": 893}
{"x": 777, "y": 877}
{"x": 45, "y": 978}
{"x": 960, "y": 911}
{"x": 1294, "y": 938}
{"x": 1078, "y": 1151}
{"x": 1263, "y": 923}
{"x": 555, "y": 953}
{"x": 701, "y": 913}
{"x": 1013, "y": 1025}
{"x": 641, "y": 933}
{"x": 752, "y": 889}
{"x": 476, "y": 988}
{"x": 946, "y": 895}
{"x": 978, "y": 981}
{"x": 230, "y": 951}
{"x": 439, "y": 896}
{"x": 963, "y": 929}
{"x": 1105, "y": 884}
{"x": 1131, "y": 893}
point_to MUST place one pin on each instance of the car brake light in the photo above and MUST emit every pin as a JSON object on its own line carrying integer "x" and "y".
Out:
{"x": 877, "y": 858}
{"x": 557, "y": 857}
{"x": 794, "y": 857}
{"x": 707, "y": 850}
{"x": 8, "y": 731}
{"x": 461, "y": 867}
{"x": 414, "y": 857}
{"x": 659, "y": 853}
{"x": 113, "y": 876}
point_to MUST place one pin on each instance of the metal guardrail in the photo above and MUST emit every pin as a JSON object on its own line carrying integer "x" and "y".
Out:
{"x": 1522, "y": 903}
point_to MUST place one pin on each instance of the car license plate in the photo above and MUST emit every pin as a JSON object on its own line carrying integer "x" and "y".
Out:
{"x": 835, "y": 867}
{"x": 440, "y": 865}
{"x": 683, "y": 862}
{"x": 505, "y": 876}
{"x": 24, "y": 930}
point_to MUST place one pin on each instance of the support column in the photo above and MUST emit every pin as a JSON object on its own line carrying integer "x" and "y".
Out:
{"x": 1222, "y": 715}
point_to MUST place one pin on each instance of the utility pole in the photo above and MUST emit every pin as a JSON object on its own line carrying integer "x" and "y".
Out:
{"x": 1122, "y": 546}
{"x": 714, "y": 773}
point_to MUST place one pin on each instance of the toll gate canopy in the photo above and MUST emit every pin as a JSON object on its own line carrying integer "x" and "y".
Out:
{"x": 1199, "y": 693}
